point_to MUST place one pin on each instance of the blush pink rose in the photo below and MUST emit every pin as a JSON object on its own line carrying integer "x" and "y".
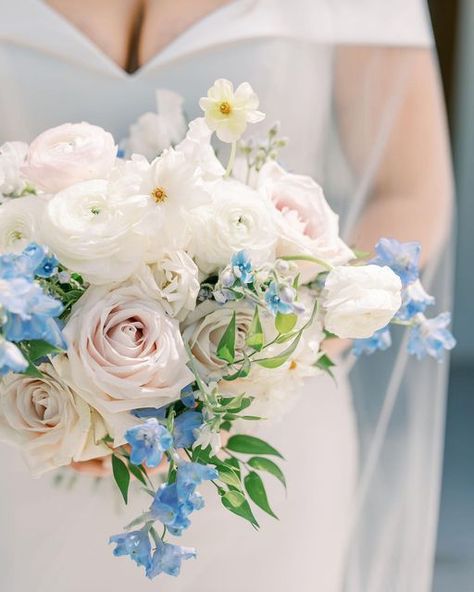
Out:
{"x": 68, "y": 154}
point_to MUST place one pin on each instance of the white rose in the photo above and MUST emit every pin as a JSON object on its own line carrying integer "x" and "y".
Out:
{"x": 237, "y": 219}
{"x": 154, "y": 132}
{"x": 49, "y": 421}
{"x": 124, "y": 353}
{"x": 197, "y": 148}
{"x": 360, "y": 300}
{"x": 306, "y": 223}
{"x": 12, "y": 156}
{"x": 173, "y": 280}
{"x": 20, "y": 223}
{"x": 68, "y": 154}
{"x": 95, "y": 233}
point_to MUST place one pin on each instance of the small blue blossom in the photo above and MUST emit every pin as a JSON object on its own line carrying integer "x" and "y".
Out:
{"x": 242, "y": 267}
{"x": 430, "y": 337}
{"x": 185, "y": 428}
{"x": 414, "y": 300}
{"x": 167, "y": 559}
{"x": 148, "y": 441}
{"x": 11, "y": 358}
{"x": 136, "y": 544}
{"x": 48, "y": 267}
{"x": 187, "y": 397}
{"x": 147, "y": 412}
{"x": 402, "y": 258}
{"x": 275, "y": 302}
{"x": 190, "y": 475}
{"x": 380, "y": 340}
{"x": 172, "y": 511}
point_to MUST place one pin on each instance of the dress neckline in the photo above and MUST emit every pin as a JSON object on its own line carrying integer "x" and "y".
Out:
{"x": 164, "y": 53}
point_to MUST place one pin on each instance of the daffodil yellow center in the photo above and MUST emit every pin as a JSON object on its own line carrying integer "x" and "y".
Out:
{"x": 159, "y": 194}
{"x": 225, "y": 108}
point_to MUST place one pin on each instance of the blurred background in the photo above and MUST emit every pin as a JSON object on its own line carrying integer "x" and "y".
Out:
{"x": 453, "y": 23}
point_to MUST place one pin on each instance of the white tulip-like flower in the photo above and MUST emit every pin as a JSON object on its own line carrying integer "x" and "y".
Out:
{"x": 360, "y": 300}
{"x": 237, "y": 219}
{"x": 306, "y": 223}
{"x": 154, "y": 132}
{"x": 48, "y": 421}
{"x": 124, "y": 353}
{"x": 95, "y": 233}
{"x": 20, "y": 223}
{"x": 173, "y": 280}
{"x": 12, "y": 157}
{"x": 174, "y": 187}
{"x": 227, "y": 112}
{"x": 68, "y": 154}
{"x": 198, "y": 150}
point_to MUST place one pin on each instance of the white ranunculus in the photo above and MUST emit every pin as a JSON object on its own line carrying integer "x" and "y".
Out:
{"x": 360, "y": 300}
{"x": 48, "y": 421}
{"x": 95, "y": 233}
{"x": 228, "y": 112}
{"x": 154, "y": 132}
{"x": 174, "y": 187}
{"x": 124, "y": 353}
{"x": 68, "y": 154}
{"x": 20, "y": 223}
{"x": 12, "y": 157}
{"x": 237, "y": 219}
{"x": 197, "y": 148}
{"x": 173, "y": 280}
{"x": 306, "y": 223}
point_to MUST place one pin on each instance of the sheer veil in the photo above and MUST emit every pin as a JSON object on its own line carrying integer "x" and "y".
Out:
{"x": 310, "y": 50}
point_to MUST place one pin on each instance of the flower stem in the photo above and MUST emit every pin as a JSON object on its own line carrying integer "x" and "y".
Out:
{"x": 230, "y": 164}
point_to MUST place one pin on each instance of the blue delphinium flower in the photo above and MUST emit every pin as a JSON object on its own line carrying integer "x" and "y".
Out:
{"x": 167, "y": 559}
{"x": 414, "y": 300}
{"x": 430, "y": 337}
{"x": 380, "y": 340}
{"x": 171, "y": 510}
{"x": 148, "y": 441}
{"x": 402, "y": 258}
{"x": 185, "y": 428}
{"x": 190, "y": 475}
{"x": 136, "y": 544}
{"x": 188, "y": 398}
{"x": 48, "y": 267}
{"x": 11, "y": 358}
{"x": 242, "y": 267}
{"x": 147, "y": 412}
{"x": 276, "y": 301}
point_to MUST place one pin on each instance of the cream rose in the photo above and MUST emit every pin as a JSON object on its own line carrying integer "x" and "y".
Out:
{"x": 94, "y": 232}
{"x": 12, "y": 156}
{"x": 124, "y": 353}
{"x": 173, "y": 280}
{"x": 235, "y": 220}
{"x": 50, "y": 422}
{"x": 20, "y": 223}
{"x": 306, "y": 223}
{"x": 360, "y": 300}
{"x": 68, "y": 154}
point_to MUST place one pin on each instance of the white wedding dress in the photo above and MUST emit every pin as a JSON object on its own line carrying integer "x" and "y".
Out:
{"x": 54, "y": 539}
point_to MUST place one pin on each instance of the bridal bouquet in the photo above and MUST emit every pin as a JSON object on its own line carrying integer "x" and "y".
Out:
{"x": 154, "y": 311}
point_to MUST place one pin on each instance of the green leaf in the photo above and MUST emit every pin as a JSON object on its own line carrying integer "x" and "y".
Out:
{"x": 256, "y": 490}
{"x": 251, "y": 445}
{"x": 137, "y": 472}
{"x": 121, "y": 476}
{"x": 255, "y": 336}
{"x": 268, "y": 466}
{"x": 32, "y": 371}
{"x": 325, "y": 363}
{"x": 279, "y": 360}
{"x": 236, "y": 502}
{"x": 229, "y": 476}
{"x": 242, "y": 372}
{"x": 38, "y": 348}
{"x": 236, "y": 404}
{"x": 285, "y": 323}
{"x": 226, "y": 346}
